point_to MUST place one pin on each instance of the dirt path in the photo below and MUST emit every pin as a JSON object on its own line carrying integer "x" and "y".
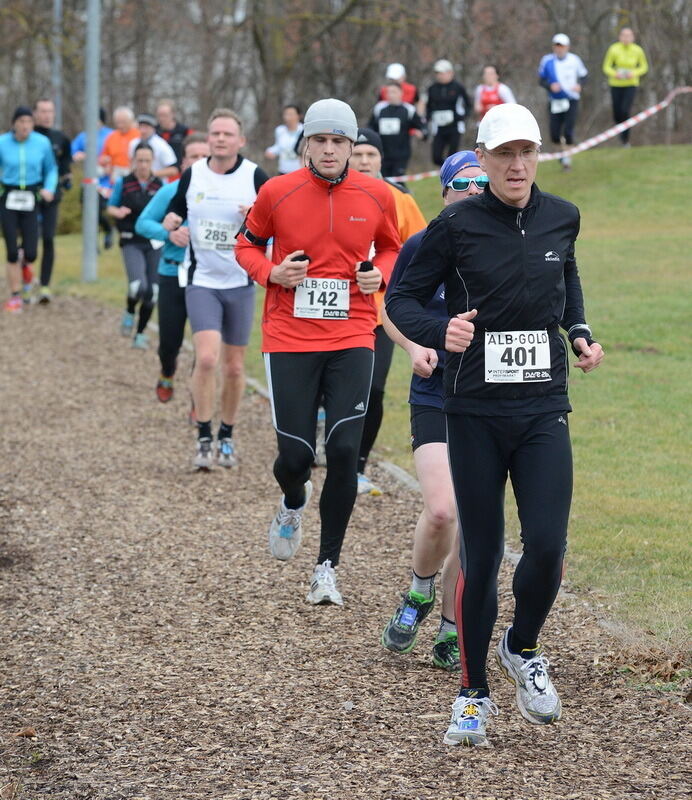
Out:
{"x": 159, "y": 651}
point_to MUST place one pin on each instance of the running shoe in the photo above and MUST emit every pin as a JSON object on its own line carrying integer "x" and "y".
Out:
{"x": 320, "y": 453}
{"x": 14, "y": 304}
{"x": 445, "y": 652}
{"x": 44, "y": 296}
{"x": 141, "y": 341}
{"x": 286, "y": 528}
{"x": 469, "y": 718}
{"x": 127, "y": 323}
{"x": 164, "y": 389}
{"x": 226, "y": 453}
{"x": 536, "y": 697}
{"x": 204, "y": 458}
{"x": 366, "y": 486}
{"x": 323, "y": 589}
{"x": 401, "y": 631}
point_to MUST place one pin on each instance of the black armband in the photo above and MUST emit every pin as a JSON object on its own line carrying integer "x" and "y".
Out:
{"x": 580, "y": 331}
{"x": 256, "y": 240}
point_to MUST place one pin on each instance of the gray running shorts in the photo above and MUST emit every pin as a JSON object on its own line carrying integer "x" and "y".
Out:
{"x": 229, "y": 311}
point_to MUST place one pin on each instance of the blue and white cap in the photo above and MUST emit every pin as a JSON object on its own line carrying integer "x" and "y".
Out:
{"x": 331, "y": 116}
{"x": 455, "y": 163}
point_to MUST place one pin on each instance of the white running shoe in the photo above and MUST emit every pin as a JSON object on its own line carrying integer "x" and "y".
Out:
{"x": 469, "y": 718}
{"x": 286, "y": 528}
{"x": 225, "y": 451}
{"x": 204, "y": 457}
{"x": 366, "y": 486}
{"x": 537, "y": 699}
{"x": 323, "y": 589}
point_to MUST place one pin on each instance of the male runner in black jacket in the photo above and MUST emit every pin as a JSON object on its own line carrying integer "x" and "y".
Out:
{"x": 506, "y": 258}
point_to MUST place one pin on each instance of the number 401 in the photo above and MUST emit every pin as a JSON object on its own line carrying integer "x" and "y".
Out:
{"x": 519, "y": 356}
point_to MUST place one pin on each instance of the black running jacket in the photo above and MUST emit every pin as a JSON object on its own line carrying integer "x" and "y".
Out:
{"x": 517, "y": 267}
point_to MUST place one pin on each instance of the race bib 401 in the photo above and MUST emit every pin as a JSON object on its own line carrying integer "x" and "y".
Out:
{"x": 517, "y": 356}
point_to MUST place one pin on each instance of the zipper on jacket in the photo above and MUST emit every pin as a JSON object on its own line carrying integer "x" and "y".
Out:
{"x": 22, "y": 165}
{"x": 523, "y": 232}
{"x": 525, "y": 259}
{"x": 331, "y": 210}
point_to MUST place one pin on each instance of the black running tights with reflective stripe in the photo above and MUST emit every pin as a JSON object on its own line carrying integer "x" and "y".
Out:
{"x": 297, "y": 382}
{"x": 535, "y": 451}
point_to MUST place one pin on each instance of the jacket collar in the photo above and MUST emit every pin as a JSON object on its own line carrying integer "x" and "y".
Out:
{"x": 498, "y": 207}
{"x": 326, "y": 183}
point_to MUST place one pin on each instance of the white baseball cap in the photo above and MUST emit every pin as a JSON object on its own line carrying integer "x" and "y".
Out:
{"x": 443, "y": 66}
{"x": 395, "y": 72}
{"x": 561, "y": 38}
{"x": 507, "y": 122}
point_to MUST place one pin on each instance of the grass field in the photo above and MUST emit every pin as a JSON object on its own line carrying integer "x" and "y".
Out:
{"x": 629, "y": 542}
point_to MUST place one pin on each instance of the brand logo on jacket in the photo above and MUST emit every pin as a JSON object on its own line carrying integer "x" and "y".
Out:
{"x": 551, "y": 255}
{"x": 357, "y": 219}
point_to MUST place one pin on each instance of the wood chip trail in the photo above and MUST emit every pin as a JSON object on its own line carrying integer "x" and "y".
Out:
{"x": 156, "y": 650}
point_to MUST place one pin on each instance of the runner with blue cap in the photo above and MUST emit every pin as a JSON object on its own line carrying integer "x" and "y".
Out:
{"x": 435, "y": 543}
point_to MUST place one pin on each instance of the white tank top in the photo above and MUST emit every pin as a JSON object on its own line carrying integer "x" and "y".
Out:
{"x": 214, "y": 218}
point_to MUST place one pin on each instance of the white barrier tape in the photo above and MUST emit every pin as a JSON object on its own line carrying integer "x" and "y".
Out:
{"x": 585, "y": 145}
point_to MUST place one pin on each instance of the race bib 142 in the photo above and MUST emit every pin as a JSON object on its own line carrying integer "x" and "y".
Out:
{"x": 322, "y": 298}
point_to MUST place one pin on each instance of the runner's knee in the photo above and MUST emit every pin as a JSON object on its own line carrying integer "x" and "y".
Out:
{"x": 342, "y": 450}
{"x": 545, "y": 554}
{"x": 206, "y": 359}
{"x": 294, "y": 459}
{"x": 234, "y": 370}
{"x": 440, "y": 515}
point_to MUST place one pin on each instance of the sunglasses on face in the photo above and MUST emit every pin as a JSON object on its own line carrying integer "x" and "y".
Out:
{"x": 462, "y": 184}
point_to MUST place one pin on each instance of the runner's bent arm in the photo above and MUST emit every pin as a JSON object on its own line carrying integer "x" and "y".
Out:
{"x": 50, "y": 169}
{"x": 642, "y": 64}
{"x": 178, "y": 204}
{"x": 252, "y": 239}
{"x": 573, "y": 317}
{"x": 423, "y": 359}
{"x": 426, "y": 271}
{"x": 65, "y": 160}
{"x": 149, "y": 221}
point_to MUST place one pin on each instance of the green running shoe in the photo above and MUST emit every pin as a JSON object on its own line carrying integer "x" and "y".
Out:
{"x": 445, "y": 653}
{"x": 401, "y": 631}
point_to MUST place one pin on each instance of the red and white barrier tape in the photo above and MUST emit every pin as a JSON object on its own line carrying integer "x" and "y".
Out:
{"x": 585, "y": 145}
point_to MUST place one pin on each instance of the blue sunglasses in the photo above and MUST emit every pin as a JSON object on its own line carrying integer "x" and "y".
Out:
{"x": 462, "y": 184}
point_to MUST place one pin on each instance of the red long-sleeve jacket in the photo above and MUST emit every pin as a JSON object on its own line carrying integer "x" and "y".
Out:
{"x": 336, "y": 225}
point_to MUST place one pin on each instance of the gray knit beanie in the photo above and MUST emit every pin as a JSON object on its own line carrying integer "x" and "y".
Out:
{"x": 331, "y": 116}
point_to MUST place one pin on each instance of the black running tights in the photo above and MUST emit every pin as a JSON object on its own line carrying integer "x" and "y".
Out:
{"x": 297, "y": 382}
{"x": 535, "y": 452}
{"x": 384, "y": 349}
{"x": 172, "y": 317}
